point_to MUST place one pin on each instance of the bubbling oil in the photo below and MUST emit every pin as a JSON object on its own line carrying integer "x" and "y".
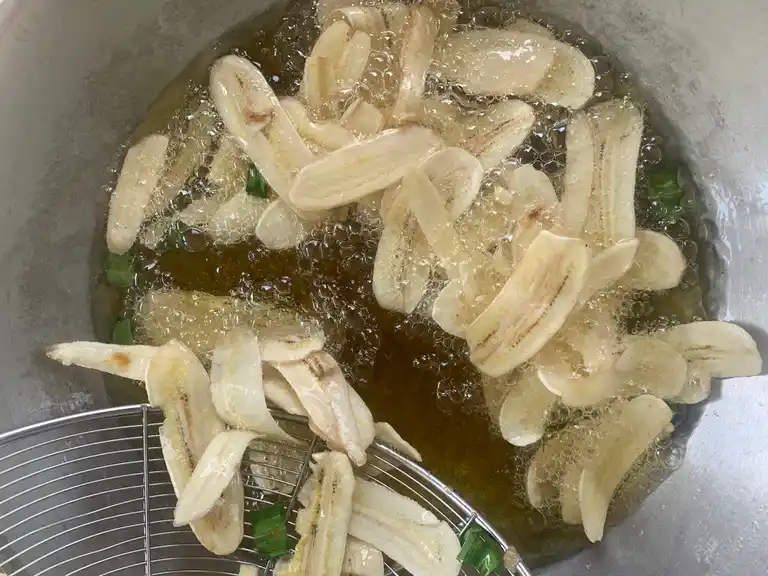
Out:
{"x": 410, "y": 372}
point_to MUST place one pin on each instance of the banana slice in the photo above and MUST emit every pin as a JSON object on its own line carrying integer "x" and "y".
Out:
{"x": 528, "y": 187}
{"x": 279, "y": 392}
{"x": 496, "y": 62}
{"x": 237, "y": 387}
{"x": 335, "y": 411}
{"x": 199, "y": 320}
{"x": 579, "y": 174}
{"x": 213, "y": 473}
{"x": 495, "y": 133}
{"x": 369, "y": 19}
{"x": 141, "y": 172}
{"x": 236, "y": 219}
{"x": 659, "y": 263}
{"x": 525, "y": 411}
{"x": 570, "y": 81}
{"x": 320, "y": 87}
{"x": 386, "y": 434}
{"x": 532, "y": 306}
{"x": 618, "y": 129}
{"x": 488, "y": 220}
{"x": 449, "y": 311}
{"x": 404, "y": 531}
{"x": 253, "y": 115}
{"x": 640, "y": 423}
{"x": 355, "y": 171}
{"x": 419, "y": 36}
{"x": 443, "y": 116}
{"x": 363, "y": 118}
{"x": 608, "y": 267}
{"x": 280, "y": 228}
{"x": 324, "y": 523}
{"x": 530, "y": 27}
{"x": 178, "y": 383}
{"x": 457, "y": 175}
{"x": 333, "y": 41}
{"x": 126, "y": 361}
{"x": 722, "y": 349}
{"x": 360, "y": 559}
{"x": 353, "y": 61}
{"x": 653, "y": 366}
{"x": 194, "y": 147}
{"x": 327, "y": 136}
{"x": 400, "y": 271}
{"x": 291, "y": 343}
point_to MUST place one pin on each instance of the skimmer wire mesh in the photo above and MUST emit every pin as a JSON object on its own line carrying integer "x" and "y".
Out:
{"x": 89, "y": 495}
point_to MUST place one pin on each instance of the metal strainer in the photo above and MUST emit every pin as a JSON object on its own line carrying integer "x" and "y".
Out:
{"x": 89, "y": 495}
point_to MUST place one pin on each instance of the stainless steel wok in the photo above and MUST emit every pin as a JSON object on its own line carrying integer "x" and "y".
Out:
{"x": 76, "y": 75}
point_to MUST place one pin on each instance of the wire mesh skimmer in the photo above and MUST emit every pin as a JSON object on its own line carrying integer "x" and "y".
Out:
{"x": 89, "y": 495}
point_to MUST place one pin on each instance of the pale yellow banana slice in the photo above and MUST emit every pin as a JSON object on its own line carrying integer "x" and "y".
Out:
{"x": 496, "y": 62}
{"x": 532, "y": 306}
{"x": 457, "y": 175}
{"x": 570, "y": 81}
{"x": 194, "y": 146}
{"x": 355, "y": 171}
{"x": 659, "y": 263}
{"x": 179, "y": 384}
{"x": 353, "y": 61}
{"x": 443, "y": 116}
{"x": 213, "y": 473}
{"x": 653, "y": 366}
{"x": 327, "y": 136}
{"x": 324, "y": 523}
{"x": 252, "y": 114}
{"x": 640, "y": 423}
{"x": 579, "y": 174}
{"x": 320, "y": 87}
{"x": 361, "y": 559}
{"x": 333, "y": 41}
{"x": 528, "y": 187}
{"x": 617, "y": 128}
{"x": 574, "y": 388}
{"x": 724, "y": 350}
{"x": 280, "y": 228}
{"x": 199, "y": 320}
{"x": 496, "y": 132}
{"x": 530, "y": 27}
{"x": 141, "y": 173}
{"x": 404, "y": 531}
{"x": 279, "y": 392}
{"x": 369, "y": 19}
{"x": 363, "y": 118}
{"x": 126, "y": 361}
{"x": 449, "y": 311}
{"x": 608, "y": 267}
{"x": 237, "y": 385}
{"x": 419, "y": 36}
{"x": 236, "y": 219}
{"x": 524, "y": 408}
{"x": 291, "y": 344}
{"x": 386, "y": 434}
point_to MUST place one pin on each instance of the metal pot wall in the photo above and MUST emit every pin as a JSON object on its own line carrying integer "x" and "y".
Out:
{"x": 77, "y": 76}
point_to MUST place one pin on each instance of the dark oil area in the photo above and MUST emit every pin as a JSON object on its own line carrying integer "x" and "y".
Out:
{"x": 409, "y": 372}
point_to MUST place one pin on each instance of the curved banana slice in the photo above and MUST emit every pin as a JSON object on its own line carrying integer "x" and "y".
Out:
{"x": 496, "y": 62}
{"x": 363, "y": 118}
{"x": 640, "y": 423}
{"x": 449, "y": 311}
{"x": 579, "y": 174}
{"x": 320, "y": 86}
{"x": 697, "y": 387}
{"x": 532, "y": 306}
{"x": 401, "y": 271}
{"x": 653, "y": 366}
{"x": 659, "y": 263}
{"x": 353, "y": 61}
{"x": 457, "y": 175}
{"x": 291, "y": 343}
{"x": 575, "y": 389}
{"x": 495, "y": 133}
{"x": 280, "y": 228}
{"x": 525, "y": 410}
{"x": 237, "y": 386}
{"x": 253, "y": 115}
{"x": 236, "y": 219}
{"x": 355, "y": 171}
{"x": 360, "y": 559}
{"x": 488, "y": 220}
{"x": 386, "y": 434}
{"x": 335, "y": 411}
{"x": 570, "y": 81}
{"x": 404, "y": 531}
{"x": 369, "y": 19}
{"x": 724, "y": 350}
{"x": 328, "y": 136}
{"x": 126, "y": 361}
{"x": 618, "y": 129}
{"x": 128, "y": 207}
{"x": 421, "y": 28}
{"x": 213, "y": 473}
{"x": 608, "y": 267}
{"x": 443, "y": 116}
{"x": 528, "y": 187}
{"x": 324, "y": 523}
{"x": 279, "y": 392}
{"x": 332, "y": 42}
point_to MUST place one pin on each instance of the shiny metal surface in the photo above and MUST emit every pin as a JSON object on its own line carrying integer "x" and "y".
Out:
{"x": 78, "y": 74}
{"x": 89, "y": 494}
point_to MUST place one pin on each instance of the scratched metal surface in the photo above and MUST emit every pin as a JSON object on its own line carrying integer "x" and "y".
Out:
{"x": 77, "y": 75}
